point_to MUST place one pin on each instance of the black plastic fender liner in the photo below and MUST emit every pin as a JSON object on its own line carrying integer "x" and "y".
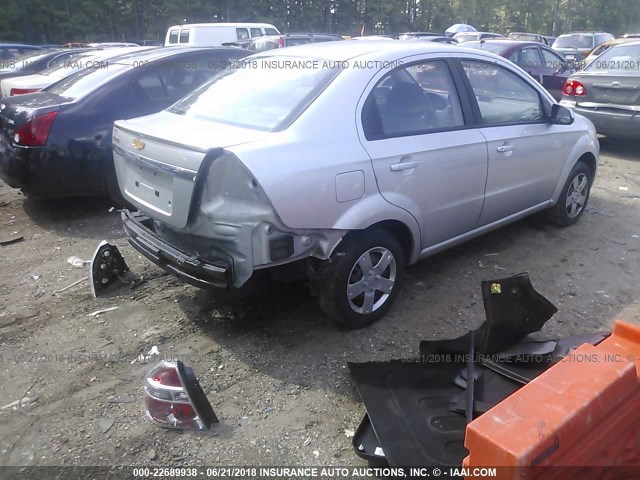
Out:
{"x": 513, "y": 310}
{"x": 408, "y": 405}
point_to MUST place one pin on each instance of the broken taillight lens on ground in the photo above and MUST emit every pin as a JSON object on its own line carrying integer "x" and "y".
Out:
{"x": 173, "y": 398}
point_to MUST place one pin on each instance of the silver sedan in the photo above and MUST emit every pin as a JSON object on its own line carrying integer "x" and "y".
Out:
{"x": 343, "y": 162}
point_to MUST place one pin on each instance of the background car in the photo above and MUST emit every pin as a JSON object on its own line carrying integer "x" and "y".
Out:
{"x": 269, "y": 42}
{"x": 603, "y": 47}
{"x": 96, "y": 59}
{"x": 538, "y": 60}
{"x": 576, "y": 46}
{"x": 57, "y": 143}
{"x": 216, "y": 177}
{"x": 607, "y": 91}
{"x": 12, "y": 50}
{"x": 36, "y": 61}
{"x": 471, "y": 36}
{"x": 436, "y": 39}
{"x": 408, "y": 35}
{"x": 528, "y": 37}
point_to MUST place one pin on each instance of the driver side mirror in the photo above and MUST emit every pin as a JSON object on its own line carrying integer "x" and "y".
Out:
{"x": 561, "y": 115}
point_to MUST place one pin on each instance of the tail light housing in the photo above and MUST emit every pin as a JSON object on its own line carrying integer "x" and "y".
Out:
{"x": 22, "y": 91}
{"x": 35, "y": 131}
{"x": 574, "y": 88}
{"x": 281, "y": 42}
{"x": 173, "y": 398}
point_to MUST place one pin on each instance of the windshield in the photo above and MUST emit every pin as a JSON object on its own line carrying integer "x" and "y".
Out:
{"x": 85, "y": 81}
{"x": 266, "y": 93}
{"x": 622, "y": 59}
{"x": 497, "y": 48}
{"x": 574, "y": 41}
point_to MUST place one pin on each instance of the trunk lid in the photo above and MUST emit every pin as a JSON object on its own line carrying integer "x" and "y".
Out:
{"x": 611, "y": 91}
{"x": 18, "y": 109}
{"x": 159, "y": 159}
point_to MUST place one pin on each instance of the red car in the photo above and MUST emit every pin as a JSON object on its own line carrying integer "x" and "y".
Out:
{"x": 538, "y": 60}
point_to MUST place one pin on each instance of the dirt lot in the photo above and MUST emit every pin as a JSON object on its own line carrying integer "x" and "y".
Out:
{"x": 273, "y": 366}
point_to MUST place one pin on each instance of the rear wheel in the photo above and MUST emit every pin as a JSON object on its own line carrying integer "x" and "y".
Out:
{"x": 361, "y": 280}
{"x": 574, "y": 196}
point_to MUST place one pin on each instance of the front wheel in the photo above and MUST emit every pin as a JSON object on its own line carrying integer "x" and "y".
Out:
{"x": 359, "y": 283}
{"x": 574, "y": 196}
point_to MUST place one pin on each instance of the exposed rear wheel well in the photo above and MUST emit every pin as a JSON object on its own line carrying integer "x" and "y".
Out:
{"x": 590, "y": 161}
{"x": 400, "y": 231}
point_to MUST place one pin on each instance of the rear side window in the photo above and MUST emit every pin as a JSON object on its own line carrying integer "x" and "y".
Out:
{"x": 242, "y": 34}
{"x": 184, "y": 35}
{"x": 412, "y": 100}
{"x": 256, "y": 32}
{"x": 270, "y": 31}
{"x": 173, "y": 36}
{"x": 502, "y": 96}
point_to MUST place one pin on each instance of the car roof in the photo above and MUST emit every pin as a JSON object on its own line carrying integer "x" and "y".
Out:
{"x": 161, "y": 52}
{"x": 372, "y": 50}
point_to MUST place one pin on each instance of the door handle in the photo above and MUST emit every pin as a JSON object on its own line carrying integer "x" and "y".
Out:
{"x": 505, "y": 148}
{"x": 396, "y": 167}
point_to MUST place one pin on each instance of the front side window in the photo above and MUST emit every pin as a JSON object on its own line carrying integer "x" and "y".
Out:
{"x": 242, "y": 34}
{"x": 412, "y": 100}
{"x": 552, "y": 61}
{"x": 502, "y": 96}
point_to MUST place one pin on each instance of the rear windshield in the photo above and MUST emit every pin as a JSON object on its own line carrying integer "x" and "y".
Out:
{"x": 67, "y": 67}
{"x": 266, "y": 93}
{"x": 530, "y": 37}
{"x": 621, "y": 59}
{"x": 497, "y": 48}
{"x": 574, "y": 40}
{"x": 23, "y": 61}
{"x": 85, "y": 81}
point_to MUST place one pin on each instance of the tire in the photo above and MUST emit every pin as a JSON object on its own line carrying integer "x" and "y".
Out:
{"x": 357, "y": 252}
{"x": 574, "y": 196}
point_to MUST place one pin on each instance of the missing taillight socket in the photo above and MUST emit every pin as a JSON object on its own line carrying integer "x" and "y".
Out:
{"x": 173, "y": 398}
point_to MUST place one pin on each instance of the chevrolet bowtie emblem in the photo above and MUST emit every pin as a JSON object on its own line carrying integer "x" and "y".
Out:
{"x": 138, "y": 144}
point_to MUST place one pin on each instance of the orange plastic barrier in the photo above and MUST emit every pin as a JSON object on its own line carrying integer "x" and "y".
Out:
{"x": 583, "y": 412}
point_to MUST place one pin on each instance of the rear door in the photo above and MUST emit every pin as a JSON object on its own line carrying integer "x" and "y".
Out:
{"x": 525, "y": 152}
{"x": 427, "y": 159}
{"x": 554, "y": 72}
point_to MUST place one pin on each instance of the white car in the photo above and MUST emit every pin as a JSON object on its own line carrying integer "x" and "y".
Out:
{"x": 344, "y": 161}
{"x": 33, "y": 83}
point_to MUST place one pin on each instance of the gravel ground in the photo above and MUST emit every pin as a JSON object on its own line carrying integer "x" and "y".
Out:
{"x": 273, "y": 366}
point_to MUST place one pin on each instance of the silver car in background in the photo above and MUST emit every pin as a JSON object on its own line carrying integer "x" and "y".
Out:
{"x": 344, "y": 162}
{"x": 607, "y": 91}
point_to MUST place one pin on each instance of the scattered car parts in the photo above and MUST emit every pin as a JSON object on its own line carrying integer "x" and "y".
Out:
{"x": 418, "y": 409}
{"x": 107, "y": 267}
{"x": 173, "y": 398}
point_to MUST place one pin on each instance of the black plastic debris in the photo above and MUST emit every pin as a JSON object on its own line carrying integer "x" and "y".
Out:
{"x": 418, "y": 409}
{"x": 408, "y": 405}
{"x": 107, "y": 268}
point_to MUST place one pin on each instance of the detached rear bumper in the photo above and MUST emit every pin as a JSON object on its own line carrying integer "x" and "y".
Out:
{"x": 196, "y": 272}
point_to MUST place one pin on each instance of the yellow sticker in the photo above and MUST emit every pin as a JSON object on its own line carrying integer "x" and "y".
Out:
{"x": 496, "y": 288}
